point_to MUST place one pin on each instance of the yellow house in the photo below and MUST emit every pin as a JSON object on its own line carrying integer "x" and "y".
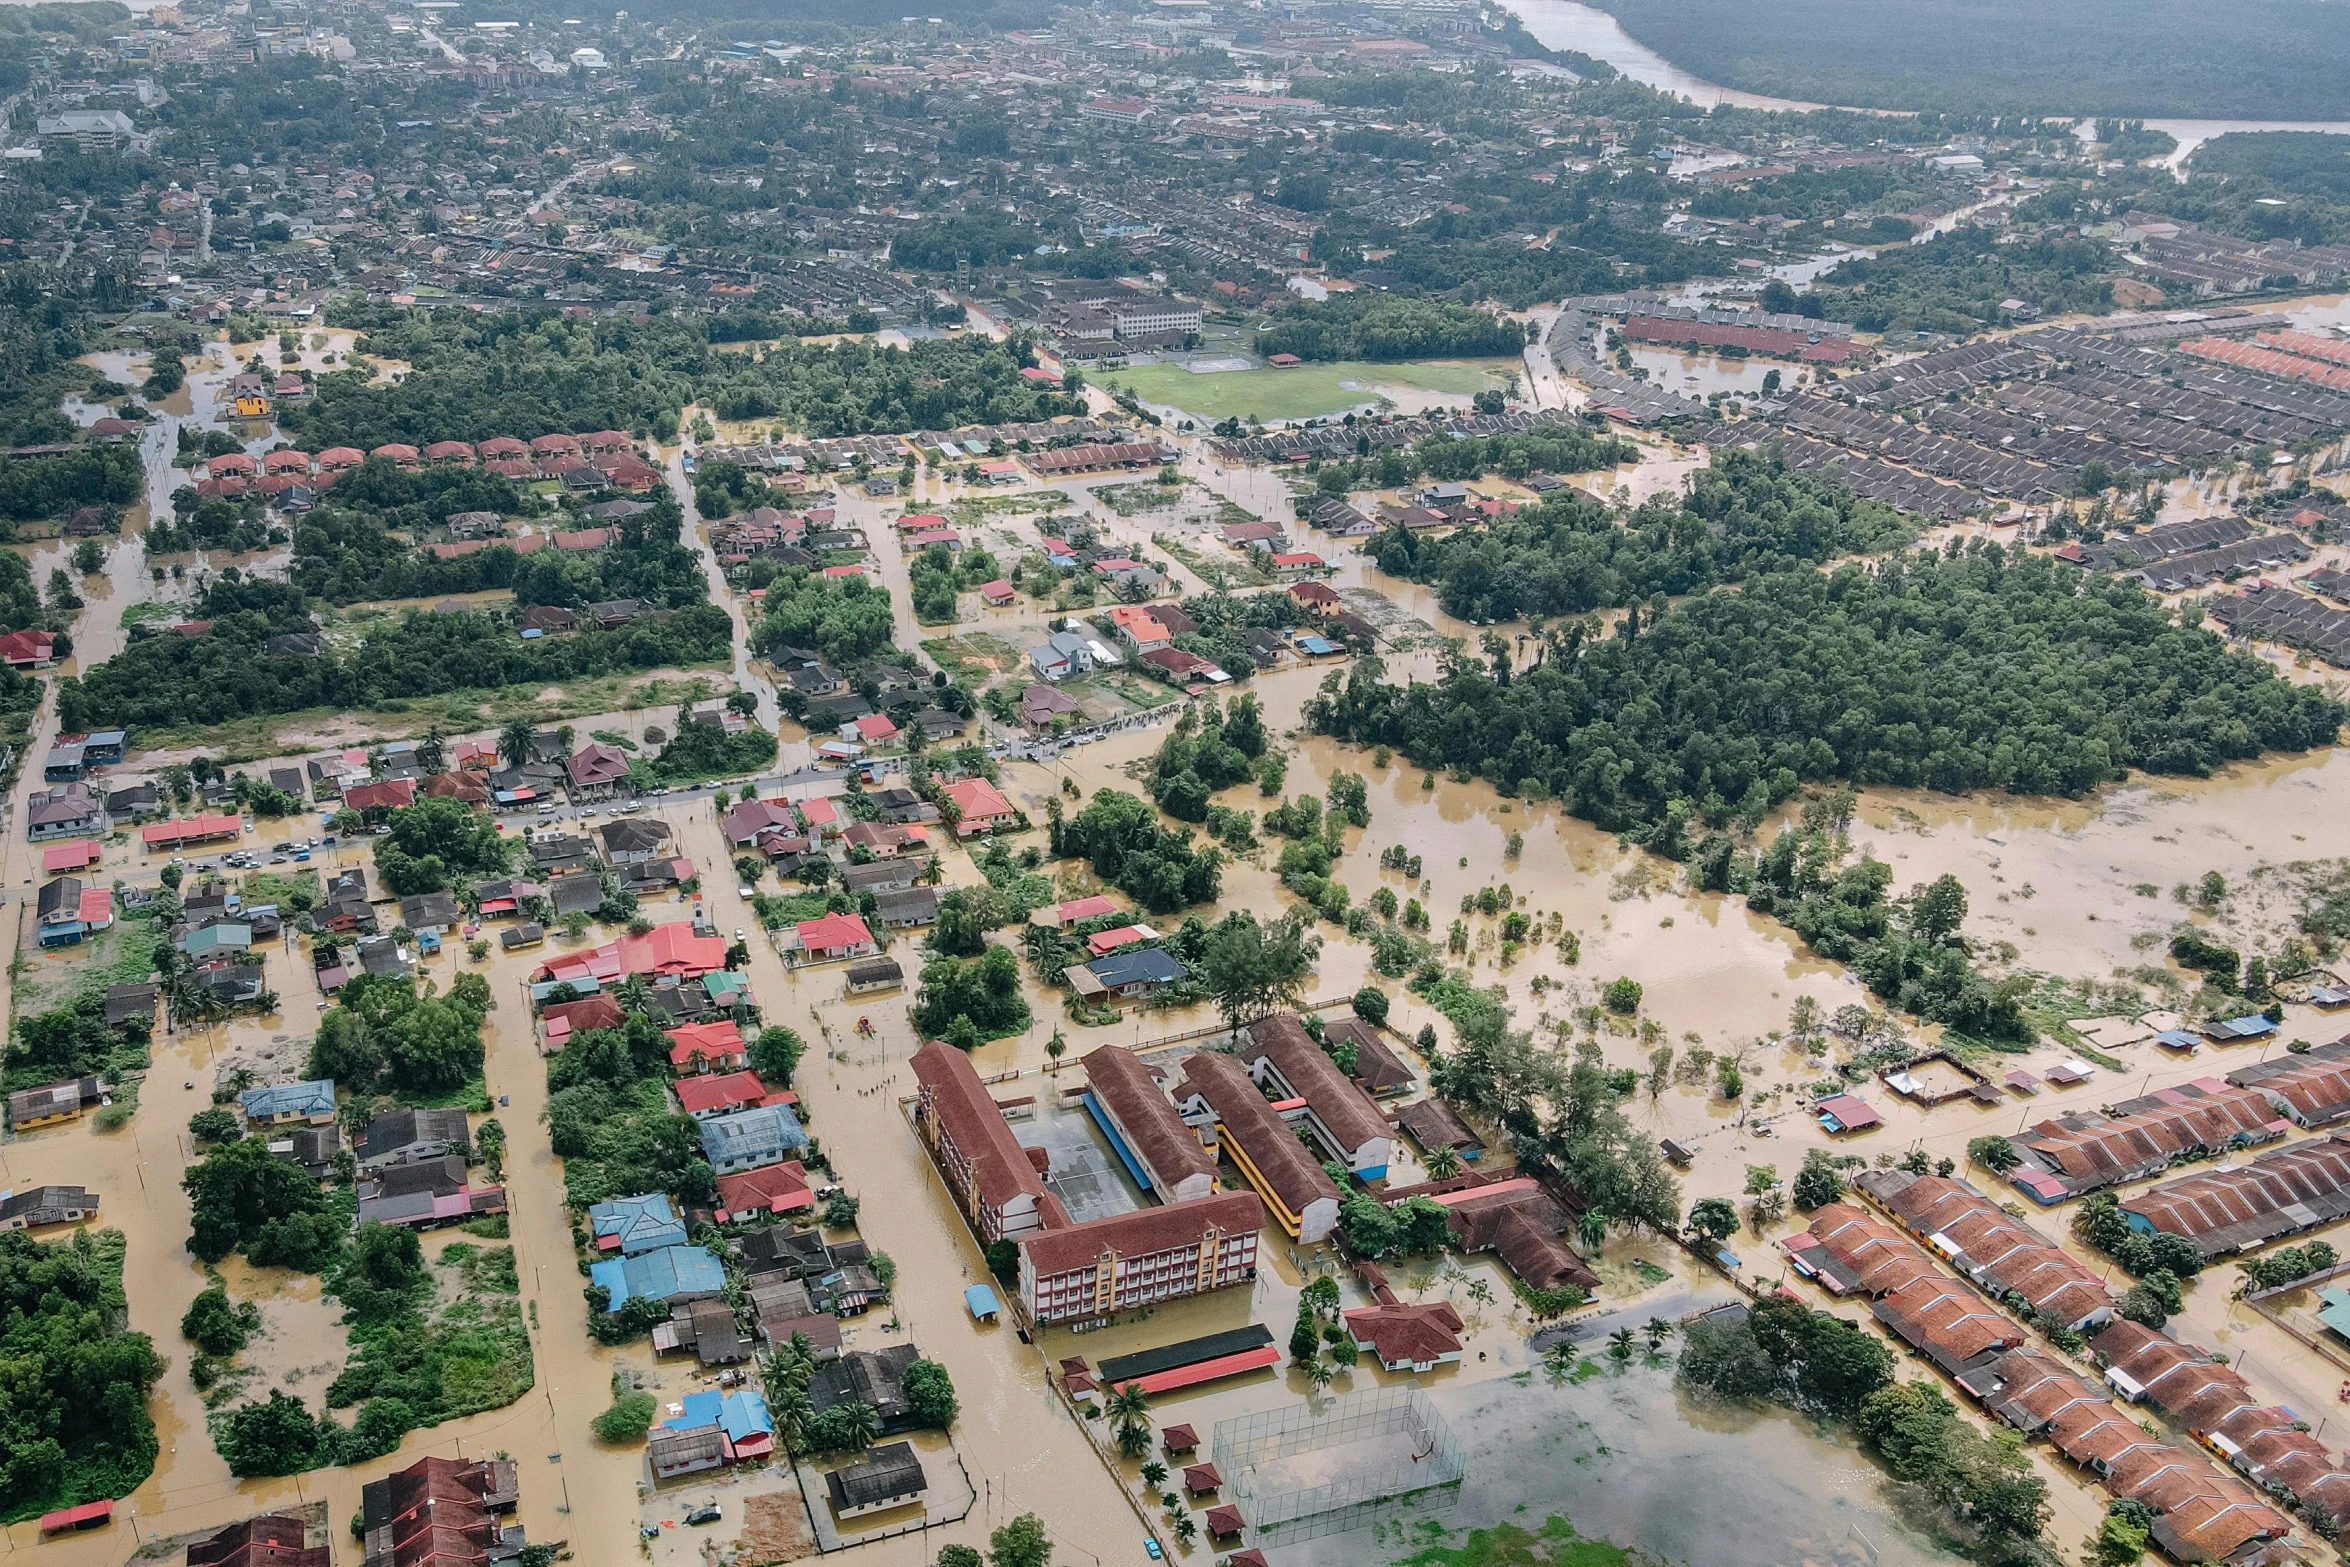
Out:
{"x": 252, "y": 406}
{"x": 46, "y": 1106}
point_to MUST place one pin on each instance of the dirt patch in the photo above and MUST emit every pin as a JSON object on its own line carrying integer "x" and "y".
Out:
{"x": 775, "y": 1529}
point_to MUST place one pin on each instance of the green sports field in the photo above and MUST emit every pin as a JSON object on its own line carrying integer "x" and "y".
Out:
{"x": 1302, "y": 391}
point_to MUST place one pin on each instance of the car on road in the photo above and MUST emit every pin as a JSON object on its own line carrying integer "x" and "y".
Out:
{"x": 706, "y": 1514}
{"x": 1150, "y": 1548}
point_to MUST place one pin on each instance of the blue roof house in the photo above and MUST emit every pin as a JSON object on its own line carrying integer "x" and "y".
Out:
{"x": 629, "y": 1225}
{"x": 673, "y": 1274}
{"x": 748, "y": 1139}
{"x": 279, "y": 1103}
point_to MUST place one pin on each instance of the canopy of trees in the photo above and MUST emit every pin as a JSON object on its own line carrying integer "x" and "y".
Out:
{"x": 968, "y": 1003}
{"x": 842, "y": 618}
{"x": 1368, "y": 325}
{"x": 171, "y": 681}
{"x": 74, "y": 1410}
{"x": 1160, "y": 869}
{"x": 1742, "y": 517}
{"x": 2154, "y": 57}
{"x": 1972, "y": 670}
{"x": 437, "y": 841}
{"x": 381, "y": 1032}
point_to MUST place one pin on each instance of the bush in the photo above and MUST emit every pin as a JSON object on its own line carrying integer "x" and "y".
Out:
{"x": 630, "y": 1416}
{"x": 1622, "y": 997}
{"x": 217, "y": 1326}
{"x": 1370, "y": 1004}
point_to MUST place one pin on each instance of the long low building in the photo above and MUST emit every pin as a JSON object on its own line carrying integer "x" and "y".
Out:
{"x": 2234, "y": 1208}
{"x": 2202, "y": 1513}
{"x": 990, "y": 1174}
{"x": 2268, "y": 1443}
{"x": 1143, "y": 1127}
{"x": 2071, "y": 1155}
{"x": 2006, "y": 1258}
{"x": 1217, "y": 1097}
{"x": 1281, "y": 1055}
{"x": 2311, "y": 1089}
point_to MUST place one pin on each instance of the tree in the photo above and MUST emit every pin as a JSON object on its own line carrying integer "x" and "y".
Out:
{"x": 1003, "y": 1260}
{"x": 1443, "y": 1163}
{"x": 1129, "y": 1411}
{"x": 1622, "y": 996}
{"x": 1154, "y": 1475}
{"x": 1714, "y": 1218}
{"x": 931, "y": 1393}
{"x": 1831, "y": 1364}
{"x": 1366, "y": 1224}
{"x": 1371, "y": 1005}
{"x": 840, "y": 1212}
{"x": 958, "y": 933}
{"x": 1251, "y": 970}
{"x": 1994, "y": 1153}
{"x": 1020, "y": 1543}
{"x": 275, "y": 1437}
{"x": 218, "y": 1326}
{"x": 960, "y": 1556}
{"x": 214, "y": 1126}
{"x": 1818, "y": 1183}
{"x": 775, "y": 1055}
{"x": 1938, "y": 909}
{"x": 238, "y": 1190}
{"x": 630, "y": 1416}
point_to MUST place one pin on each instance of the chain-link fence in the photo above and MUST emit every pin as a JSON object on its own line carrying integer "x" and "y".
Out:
{"x": 1306, "y": 1471}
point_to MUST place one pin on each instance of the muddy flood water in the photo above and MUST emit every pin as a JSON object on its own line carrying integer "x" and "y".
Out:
{"x": 1616, "y": 1449}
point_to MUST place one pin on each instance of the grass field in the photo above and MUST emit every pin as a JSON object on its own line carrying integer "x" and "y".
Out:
{"x": 1303, "y": 391}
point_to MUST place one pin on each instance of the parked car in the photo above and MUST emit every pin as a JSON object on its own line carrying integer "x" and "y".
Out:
{"x": 708, "y": 1514}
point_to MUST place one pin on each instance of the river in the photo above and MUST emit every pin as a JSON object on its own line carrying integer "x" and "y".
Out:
{"x": 1566, "y": 24}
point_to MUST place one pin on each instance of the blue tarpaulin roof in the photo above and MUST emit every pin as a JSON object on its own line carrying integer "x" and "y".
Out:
{"x": 982, "y": 1301}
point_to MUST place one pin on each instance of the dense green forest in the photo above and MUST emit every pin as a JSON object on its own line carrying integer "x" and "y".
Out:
{"x": 1744, "y": 516}
{"x": 2307, "y": 163}
{"x": 49, "y": 315}
{"x": 1972, "y": 670}
{"x": 526, "y": 373}
{"x": 168, "y": 680}
{"x": 1366, "y": 325}
{"x": 841, "y": 618}
{"x": 347, "y": 556}
{"x": 2059, "y": 57}
{"x": 75, "y": 1405}
{"x": 35, "y": 488}
{"x": 1956, "y": 282}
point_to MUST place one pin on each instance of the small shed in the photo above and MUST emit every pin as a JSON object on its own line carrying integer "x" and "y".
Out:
{"x": 980, "y": 1301}
{"x": 1178, "y": 1440}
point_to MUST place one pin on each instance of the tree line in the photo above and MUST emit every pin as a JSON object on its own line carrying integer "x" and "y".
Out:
{"x": 1744, "y": 516}
{"x": 1376, "y": 326}
{"x": 1977, "y": 668}
{"x": 232, "y": 672}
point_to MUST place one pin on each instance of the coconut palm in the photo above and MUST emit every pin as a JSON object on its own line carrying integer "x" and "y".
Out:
{"x": 1619, "y": 1344}
{"x": 1591, "y": 1231}
{"x": 1658, "y": 1330}
{"x": 1130, "y": 1410}
{"x": 1185, "y": 1528}
{"x": 1154, "y": 1475}
{"x": 1443, "y": 1163}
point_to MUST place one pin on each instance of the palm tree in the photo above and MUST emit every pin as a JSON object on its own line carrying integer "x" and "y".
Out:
{"x": 1619, "y": 1344}
{"x": 1130, "y": 1410}
{"x": 1185, "y": 1528}
{"x": 860, "y": 1424}
{"x": 1443, "y": 1163}
{"x": 1560, "y": 1354}
{"x": 1154, "y": 1475}
{"x": 1658, "y": 1330}
{"x": 1057, "y": 1046}
{"x": 1591, "y": 1231}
